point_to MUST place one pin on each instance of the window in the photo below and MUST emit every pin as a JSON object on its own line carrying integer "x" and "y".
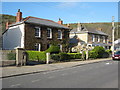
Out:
{"x": 98, "y": 38}
{"x": 37, "y": 32}
{"x": 49, "y": 33}
{"x": 93, "y": 38}
{"x": 60, "y": 47}
{"x": 48, "y": 45}
{"x": 103, "y": 39}
{"x": 59, "y": 34}
{"x": 37, "y": 47}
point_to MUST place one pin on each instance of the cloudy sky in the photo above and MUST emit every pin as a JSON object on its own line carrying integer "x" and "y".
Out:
{"x": 69, "y": 12}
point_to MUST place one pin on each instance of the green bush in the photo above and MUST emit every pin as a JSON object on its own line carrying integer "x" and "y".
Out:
{"x": 92, "y": 54}
{"x": 109, "y": 51}
{"x": 53, "y": 49}
{"x": 105, "y": 55}
{"x": 66, "y": 56}
{"x": 36, "y": 55}
{"x": 11, "y": 56}
{"x": 75, "y": 55}
{"x": 99, "y": 50}
{"x": 55, "y": 57}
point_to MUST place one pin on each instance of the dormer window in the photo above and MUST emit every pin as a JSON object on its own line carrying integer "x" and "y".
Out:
{"x": 37, "y": 32}
{"x": 49, "y": 33}
{"x": 59, "y": 34}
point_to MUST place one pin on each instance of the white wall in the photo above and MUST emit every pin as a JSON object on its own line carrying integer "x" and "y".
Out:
{"x": 14, "y": 37}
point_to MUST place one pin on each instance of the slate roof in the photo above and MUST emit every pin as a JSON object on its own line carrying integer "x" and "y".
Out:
{"x": 40, "y": 21}
{"x": 88, "y": 30}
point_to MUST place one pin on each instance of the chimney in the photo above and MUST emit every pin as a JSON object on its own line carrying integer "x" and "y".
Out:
{"x": 68, "y": 25}
{"x": 7, "y": 23}
{"x": 60, "y": 21}
{"x": 19, "y": 16}
{"x": 79, "y": 27}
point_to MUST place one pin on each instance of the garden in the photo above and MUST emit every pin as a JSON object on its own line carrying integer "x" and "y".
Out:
{"x": 57, "y": 56}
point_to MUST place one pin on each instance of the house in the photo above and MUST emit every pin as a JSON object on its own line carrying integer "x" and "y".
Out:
{"x": 89, "y": 36}
{"x": 32, "y": 33}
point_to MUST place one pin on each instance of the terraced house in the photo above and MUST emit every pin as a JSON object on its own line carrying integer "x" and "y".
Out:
{"x": 32, "y": 33}
{"x": 86, "y": 35}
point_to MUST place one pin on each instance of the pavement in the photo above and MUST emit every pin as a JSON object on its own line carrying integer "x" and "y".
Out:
{"x": 17, "y": 71}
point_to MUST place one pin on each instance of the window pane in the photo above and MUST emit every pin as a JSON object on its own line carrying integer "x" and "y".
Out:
{"x": 37, "y": 47}
{"x": 49, "y": 33}
{"x": 59, "y": 34}
{"x": 37, "y": 31}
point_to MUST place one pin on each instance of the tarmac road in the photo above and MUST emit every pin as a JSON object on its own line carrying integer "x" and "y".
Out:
{"x": 95, "y": 75}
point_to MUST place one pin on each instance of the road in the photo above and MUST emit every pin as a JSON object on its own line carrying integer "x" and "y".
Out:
{"x": 96, "y": 75}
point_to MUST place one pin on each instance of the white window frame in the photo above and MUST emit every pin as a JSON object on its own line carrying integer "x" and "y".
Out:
{"x": 93, "y": 38}
{"x": 50, "y": 32}
{"x": 39, "y": 32}
{"x": 59, "y": 45}
{"x": 98, "y": 38}
{"x": 60, "y": 34}
{"x": 103, "y": 39}
{"x": 39, "y": 46}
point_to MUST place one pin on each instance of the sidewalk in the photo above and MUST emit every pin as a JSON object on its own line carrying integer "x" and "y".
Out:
{"x": 16, "y": 71}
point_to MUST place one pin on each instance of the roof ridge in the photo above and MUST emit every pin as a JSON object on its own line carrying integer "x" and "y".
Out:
{"x": 43, "y": 19}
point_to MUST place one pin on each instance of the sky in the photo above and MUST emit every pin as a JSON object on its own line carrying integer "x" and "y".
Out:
{"x": 69, "y": 12}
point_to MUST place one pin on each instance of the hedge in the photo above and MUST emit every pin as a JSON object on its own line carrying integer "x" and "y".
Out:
{"x": 99, "y": 52}
{"x": 75, "y": 55}
{"x": 36, "y": 55}
{"x": 53, "y": 49}
{"x": 65, "y": 56}
{"x": 92, "y": 54}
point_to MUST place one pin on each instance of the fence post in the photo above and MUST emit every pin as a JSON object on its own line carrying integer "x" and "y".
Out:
{"x": 47, "y": 58}
{"x": 17, "y": 57}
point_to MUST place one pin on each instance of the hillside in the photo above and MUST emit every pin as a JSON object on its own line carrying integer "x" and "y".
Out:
{"x": 4, "y": 18}
{"x": 106, "y": 27}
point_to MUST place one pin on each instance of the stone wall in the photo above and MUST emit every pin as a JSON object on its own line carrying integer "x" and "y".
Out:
{"x": 30, "y": 38}
{"x": 4, "y": 60}
{"x": 5, "y": 52}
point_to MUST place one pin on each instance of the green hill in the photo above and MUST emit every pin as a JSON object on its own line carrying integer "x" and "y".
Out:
{"x": 4, "y": 18}
{"x": 106, "y": 27}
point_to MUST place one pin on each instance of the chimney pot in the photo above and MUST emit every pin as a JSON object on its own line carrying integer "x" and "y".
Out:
{"x": 7, "y": 23}
{"x": 60, "y": 21}
{"x": 19, "y": 16}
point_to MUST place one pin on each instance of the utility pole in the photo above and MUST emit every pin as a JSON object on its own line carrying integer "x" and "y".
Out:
{"x": 113, "y": 31}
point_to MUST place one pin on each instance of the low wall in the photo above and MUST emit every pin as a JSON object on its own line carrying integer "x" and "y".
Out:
{"x": 7, "y": 63}
{"x": 5, "y": 52}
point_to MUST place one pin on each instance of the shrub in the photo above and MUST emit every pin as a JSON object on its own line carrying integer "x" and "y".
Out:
{"x": 11, "y": 56}
{"x": 75, "y": 55}
{"x": 53, "y": 49}
{"x": 36, "y": 55}
{"x": 99, "y": 50}
{"x": 64, "y": 56}
{"x": 109, "y": 51}
{"x": 55, "y": 57}
{"x": 105, "y": 55}
{"x": 92, "y": 54}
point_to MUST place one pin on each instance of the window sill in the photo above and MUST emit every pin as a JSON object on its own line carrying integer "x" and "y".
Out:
{"x": 59, "y": 38}
{"x": 37, "y": 37}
